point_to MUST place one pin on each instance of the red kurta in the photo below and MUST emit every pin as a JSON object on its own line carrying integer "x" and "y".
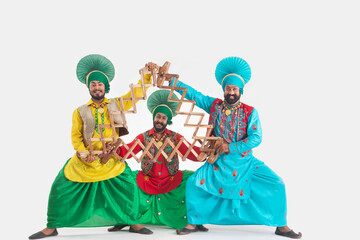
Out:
{"x": 159, "y": 180}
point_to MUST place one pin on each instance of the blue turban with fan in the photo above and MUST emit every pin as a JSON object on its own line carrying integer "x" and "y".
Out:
{"x": 233, "y": 71}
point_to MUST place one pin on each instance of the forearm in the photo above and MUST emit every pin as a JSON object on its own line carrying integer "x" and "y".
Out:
{"x": 245, "y": 145}
{"x": 202, "y": 101}
{"x": 138, "y": 92}
{"x": 254, "y": 136}
{"x": 122, "y": 150}
{"x": 77, "y": 139}
{"x": 184, "y": 149}
{"x": 79, "y": 145}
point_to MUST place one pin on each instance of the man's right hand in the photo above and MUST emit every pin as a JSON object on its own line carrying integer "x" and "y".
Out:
{"x": 88, "y": 158}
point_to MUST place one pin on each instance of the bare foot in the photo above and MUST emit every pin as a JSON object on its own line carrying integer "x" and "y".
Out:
{"x": 190, "y": 226}
{"x": 284, "y": 229}
{"x": 137, "y": 227}
{"x": 287, "y": 232}
{"x": 48, "y": 231}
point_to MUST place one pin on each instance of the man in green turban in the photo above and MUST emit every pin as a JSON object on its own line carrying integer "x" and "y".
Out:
{"x": 161, "y": 184}
{"x": 88, "y": 192}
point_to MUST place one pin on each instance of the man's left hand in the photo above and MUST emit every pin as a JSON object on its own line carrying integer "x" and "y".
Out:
{"x": 151, "y": 66}
{"x": 109, "y": 148}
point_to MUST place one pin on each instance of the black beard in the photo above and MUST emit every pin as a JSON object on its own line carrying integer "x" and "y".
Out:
{"x": 232, "y": 100}
{"x": 159, "y": 130}
{"x": 96, "y": 97}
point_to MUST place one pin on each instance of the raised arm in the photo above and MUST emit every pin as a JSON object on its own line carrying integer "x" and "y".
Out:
{"x": 202, "y": 101}
{"x": 138, "y": 92}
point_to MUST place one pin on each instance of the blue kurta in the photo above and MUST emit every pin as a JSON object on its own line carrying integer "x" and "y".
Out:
{"x": 237, "y": 189}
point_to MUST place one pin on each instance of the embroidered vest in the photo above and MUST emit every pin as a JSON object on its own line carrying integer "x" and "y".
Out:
{"x": 217, "y": 111}
{"x": 147, "y": 162}
{"x": 89, "y": 121}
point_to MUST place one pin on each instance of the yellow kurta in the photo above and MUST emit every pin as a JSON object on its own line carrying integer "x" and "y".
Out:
{"x": 79, "y": 171}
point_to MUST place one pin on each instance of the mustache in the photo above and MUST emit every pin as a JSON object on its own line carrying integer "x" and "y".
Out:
{"x": 159, "y": 123}
{"x": 159, "y": 129}
{"x": 231, "y": 100}
{"x": 228, "y": 97}
{"x": 98, "y": 94}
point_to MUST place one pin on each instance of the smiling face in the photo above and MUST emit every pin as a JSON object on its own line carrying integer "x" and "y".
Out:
{"x": 232, "y": 94}
{"x": 97, "y": 90}
{"x": 160, "y": 122}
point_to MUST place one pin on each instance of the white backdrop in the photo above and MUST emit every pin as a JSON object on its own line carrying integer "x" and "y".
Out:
{"x": 304, "y": 57}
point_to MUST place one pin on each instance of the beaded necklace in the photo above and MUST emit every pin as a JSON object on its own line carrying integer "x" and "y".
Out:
{"x": 160, "y": 143}
{"x": 98, "y": 110}
{"x": 229, "y": 110}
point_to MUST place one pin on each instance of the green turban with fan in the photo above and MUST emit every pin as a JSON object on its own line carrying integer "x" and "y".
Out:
{"x": 95, "y": 67}
{"x": 158, "y": 102}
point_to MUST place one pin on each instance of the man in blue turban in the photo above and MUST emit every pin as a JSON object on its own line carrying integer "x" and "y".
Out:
{"x": 237, "y": 189}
